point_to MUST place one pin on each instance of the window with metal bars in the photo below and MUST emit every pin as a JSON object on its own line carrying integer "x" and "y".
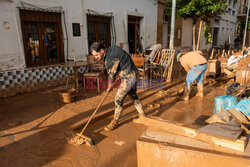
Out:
{"x": 42, "y": 37}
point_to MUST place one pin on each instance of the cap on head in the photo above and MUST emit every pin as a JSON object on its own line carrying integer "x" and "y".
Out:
{"x": 96, "y": 46}
{"x": 178, "y": 56}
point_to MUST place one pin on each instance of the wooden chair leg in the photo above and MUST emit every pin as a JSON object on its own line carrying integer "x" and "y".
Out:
{"x": 84, "y": 83}
{"x": 144, "y": 82}
{"x": 98, "y": 84}
{"x": 67, "y": 81}
{"x": 76, "y": 84}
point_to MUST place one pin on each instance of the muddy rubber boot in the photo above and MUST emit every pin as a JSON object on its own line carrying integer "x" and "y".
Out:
{"x": 140, "y": 119}
{"x": 185, "y": 96}
{"x": 112, "y": 125}
{"x": 200, "y": 90}
{"x": 139, "y": 109}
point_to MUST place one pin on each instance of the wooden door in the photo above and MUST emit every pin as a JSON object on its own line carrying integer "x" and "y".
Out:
{"x": 42, "y": 38}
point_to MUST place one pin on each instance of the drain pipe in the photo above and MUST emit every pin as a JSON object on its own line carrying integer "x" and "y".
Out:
{"x": 113, "y": 18}
{"x": 246, "y": 26}
{"x": 66, "y": 33}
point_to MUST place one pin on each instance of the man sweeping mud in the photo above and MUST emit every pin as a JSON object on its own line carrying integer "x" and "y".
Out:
{"x": 195, "y": 65}
{"x": 118, "y": 62}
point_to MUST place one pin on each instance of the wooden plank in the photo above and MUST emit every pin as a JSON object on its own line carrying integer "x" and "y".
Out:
{"x": 199, "y": 36}
{"x": 228, "y": 131}
{"x": 238, "y": 115}
{"x": 215, "y": 119}
{"x": 179, "y": 129}
{"x": 163, "y": 136}
{"x": 223, "y": 52}
{"x": 151, "y": 153}
{"x": 212, "y": 54}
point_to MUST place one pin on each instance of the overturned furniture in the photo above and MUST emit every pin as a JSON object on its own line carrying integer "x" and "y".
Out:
{"x": 161, "y": 64}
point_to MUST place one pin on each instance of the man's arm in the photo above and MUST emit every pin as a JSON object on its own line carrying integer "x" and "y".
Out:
{"x": 112, "y": 67}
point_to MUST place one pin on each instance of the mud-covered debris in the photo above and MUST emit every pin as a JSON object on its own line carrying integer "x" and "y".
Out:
{"x": 161, "y": 93}
{"x": 180, "y": 91}
{"x": 157, "y": 105}
{"x": 14, "y": 124}
{"x": 150, "y": 106}
{"x": 154, "y": 105}
{"x": 174, "y": 93}
{"x": 119, "y": 143}
{"x": 77, "y": 141}
{"x": 70, "y": 137}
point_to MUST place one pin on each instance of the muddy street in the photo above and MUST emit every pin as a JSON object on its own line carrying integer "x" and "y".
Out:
{"x": 33, "y": 125}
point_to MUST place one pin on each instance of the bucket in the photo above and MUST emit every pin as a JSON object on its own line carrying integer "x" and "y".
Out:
{"x": 222, "y": 103}
{"x": 67, "y": 95}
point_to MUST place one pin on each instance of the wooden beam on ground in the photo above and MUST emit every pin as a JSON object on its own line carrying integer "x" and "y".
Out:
{"x": 156, "y": 149}
{"x": 225, "y": 77}
{"x": 238, "y": 116}
{"x": 175, "y": 128}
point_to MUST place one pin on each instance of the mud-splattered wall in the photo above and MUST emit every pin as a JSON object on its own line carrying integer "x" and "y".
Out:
{"x": 11, "y": 42}
{"x": 11, "y": 55}
{"x": 26, "y": 80}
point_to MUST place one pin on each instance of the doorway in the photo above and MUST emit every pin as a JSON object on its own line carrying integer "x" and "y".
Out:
{"x": 134, "y": 37}
{"x": 42, "y": 37}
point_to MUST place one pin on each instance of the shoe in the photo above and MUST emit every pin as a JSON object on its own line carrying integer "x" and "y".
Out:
{"x": 140, "y": 118}
{"x": 200, "y": 90}
{"x": 111, "y": 126}
{"x": 185, "y": 96}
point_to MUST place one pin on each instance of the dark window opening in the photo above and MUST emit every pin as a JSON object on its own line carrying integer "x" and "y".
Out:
{"x": 76, "y": 29}
{"x": 134, "y": 37}
{"x": 99, "y": 29}
{"x": 215, "y": 36}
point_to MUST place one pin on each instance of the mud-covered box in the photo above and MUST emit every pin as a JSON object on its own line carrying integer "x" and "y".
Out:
{"x": 242, "y": 75}
{"x": 214, "y": 68}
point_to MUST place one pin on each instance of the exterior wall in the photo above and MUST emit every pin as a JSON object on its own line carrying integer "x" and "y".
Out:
{"x": 187, "y": 33}
{"x": 141, "y": 8}
{"x": 160, "y": 27}
{"x": 15, "y": 77}
{"x": 11, "y": 50}
{"x": 242, "y": 5}
{"x": 160, "y": 23}
{"x": 178, "y": 30}
{"x": 12, "y": 54}
{"x": 227, "y": 24}
{"x": 187, "y": 36}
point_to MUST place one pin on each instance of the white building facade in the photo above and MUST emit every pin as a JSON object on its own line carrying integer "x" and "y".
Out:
{"x": 224, "y": 27}
{"x": 40, "y": 34}
{"x": 12, "y": 45}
